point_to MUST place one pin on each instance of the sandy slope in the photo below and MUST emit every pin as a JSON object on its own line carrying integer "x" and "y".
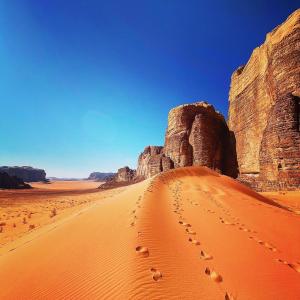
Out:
{"x": 186, "y": 234}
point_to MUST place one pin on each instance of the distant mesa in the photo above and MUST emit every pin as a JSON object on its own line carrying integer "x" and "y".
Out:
{"x": 98, "y": 176}
{"x": 12, "y": 182}
{"x": 27, "y": 174}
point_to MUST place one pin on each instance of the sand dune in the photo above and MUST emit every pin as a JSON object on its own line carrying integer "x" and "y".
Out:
{"x": 189, "y": 233}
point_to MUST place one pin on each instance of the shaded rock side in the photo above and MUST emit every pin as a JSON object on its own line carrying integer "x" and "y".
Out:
{"x": 99, "y": 176}
{"x": 27, "y": 174}
{"x": 12, "y": 182}
{"x": 197, "y": 135}
{"x": 264, "y": 111}
{"x": 153, "y": 161}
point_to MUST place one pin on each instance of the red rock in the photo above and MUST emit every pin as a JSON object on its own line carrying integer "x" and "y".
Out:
{"x": 264, "y": 111}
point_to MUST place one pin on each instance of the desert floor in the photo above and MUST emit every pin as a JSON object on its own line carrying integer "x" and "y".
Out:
{"x": 186, "y": 234}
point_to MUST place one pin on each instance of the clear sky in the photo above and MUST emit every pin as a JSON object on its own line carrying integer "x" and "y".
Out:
{"x": 87, "y": 84}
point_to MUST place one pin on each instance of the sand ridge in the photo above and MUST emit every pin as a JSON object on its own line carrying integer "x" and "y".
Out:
{"x": 189, "y": 233}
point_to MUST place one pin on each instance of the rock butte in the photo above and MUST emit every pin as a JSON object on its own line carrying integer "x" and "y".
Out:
{"x": 197, "y": 135}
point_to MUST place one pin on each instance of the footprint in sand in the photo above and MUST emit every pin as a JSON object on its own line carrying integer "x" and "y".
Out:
{"x": 185, "y": 224}
{"x": 142, "y": 251}
{"x": 267, "y": 245}
{"x": 195, "y": 242}
{"x": 213, "y": 275}
{"x": 225, "y": 222}
{"x": 190, "y": 231}
{"x": 294, "y": 266}
{"x": 205, "y": 256}
{"x": 156, "y": 275}
{"x": 229, "y": 297}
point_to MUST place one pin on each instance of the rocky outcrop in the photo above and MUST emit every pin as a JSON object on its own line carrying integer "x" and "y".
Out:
{"x": 12, "y": 182}
{"x": 153, "y": 161}
{"x": 98, "y": 176}
{"x": 27, "y": 174}
{"x": 125, "y": 175}
{"x": 197, "y": 135}
{"x": 264, "y": 111}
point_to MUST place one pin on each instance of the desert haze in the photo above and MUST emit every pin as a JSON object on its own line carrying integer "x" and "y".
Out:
{"x": 189, "y": 233}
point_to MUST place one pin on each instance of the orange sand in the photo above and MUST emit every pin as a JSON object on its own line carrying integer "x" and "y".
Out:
{"x": 185, "y": 234}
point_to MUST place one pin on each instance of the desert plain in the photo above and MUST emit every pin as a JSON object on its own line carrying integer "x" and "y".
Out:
{"x": 189, "y": 233}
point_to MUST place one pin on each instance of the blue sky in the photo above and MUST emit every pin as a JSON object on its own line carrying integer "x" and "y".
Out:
{"x": 86, "y": 85}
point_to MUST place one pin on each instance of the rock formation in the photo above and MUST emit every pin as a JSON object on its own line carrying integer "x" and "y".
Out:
{"x": 197, "y": 135}
{"x": 153, "y": 161}
{"x": 12, "y": 182}
{"x": 98, "y": 176}
{"x": 264, "y": 111}
{"x": 125, "y": 175}
{"x": 27, "y": 174}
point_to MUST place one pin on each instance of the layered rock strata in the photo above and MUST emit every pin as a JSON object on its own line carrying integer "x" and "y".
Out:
{"x": 264, "y": 111}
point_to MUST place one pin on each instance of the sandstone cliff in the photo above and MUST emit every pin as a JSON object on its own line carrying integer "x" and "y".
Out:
{"x": 125, "y": 175}
{"x": 197, "y": 135}
{"x": 264, "y": 110}
{"x": 153, "y": 161}
{"x": 27, "y": 174}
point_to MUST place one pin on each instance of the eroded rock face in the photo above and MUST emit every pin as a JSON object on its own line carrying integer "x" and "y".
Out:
{"x": 153, "y": 161}
{"x": 264, "y": 111}
{"x": 27, "y": 174}
{"x": 125, "y": 175}
{"x": 99, "y": 176}
{"x": 197, "y": 135}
